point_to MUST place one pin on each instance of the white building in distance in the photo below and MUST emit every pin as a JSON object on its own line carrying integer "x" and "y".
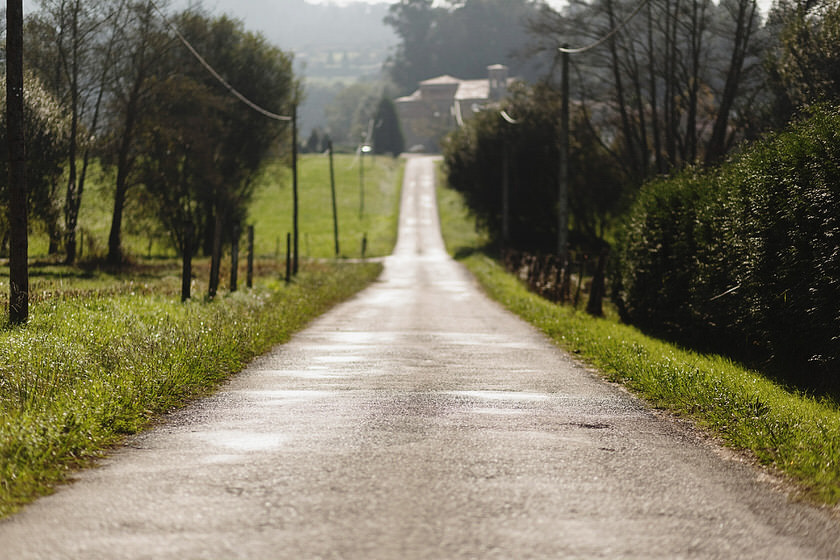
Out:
{"x": 440, "y": 104}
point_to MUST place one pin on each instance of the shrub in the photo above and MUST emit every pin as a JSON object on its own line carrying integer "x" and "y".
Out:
{"x": 745, "y": 258}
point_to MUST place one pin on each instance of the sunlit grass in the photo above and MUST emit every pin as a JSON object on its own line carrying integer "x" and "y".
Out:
{"x": 795, "y": 434}
{"x": 103, "y": 353}
{"x": 87, "y": 370}
{"x": 272, "y": 208}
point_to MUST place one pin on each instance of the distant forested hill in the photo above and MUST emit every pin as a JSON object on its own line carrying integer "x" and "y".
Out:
{"x": 329, "y": 40}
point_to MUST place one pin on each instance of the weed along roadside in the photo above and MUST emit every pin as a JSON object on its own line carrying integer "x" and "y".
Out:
{"x": 792, "y": 434}
{"x": 103, "y": 355}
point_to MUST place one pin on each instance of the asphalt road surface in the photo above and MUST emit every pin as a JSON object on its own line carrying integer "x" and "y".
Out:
{"x": 419, "y": 420}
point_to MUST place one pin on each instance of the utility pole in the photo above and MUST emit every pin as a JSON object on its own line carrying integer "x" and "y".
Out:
{"x": 294, "y": 190}
{"x": 332, "y": 190}
{"x": 505, "y": 194}
{"x": 361, "y": 181}
{"x": 18, "y": 240}
{"x": 563, "y": 172}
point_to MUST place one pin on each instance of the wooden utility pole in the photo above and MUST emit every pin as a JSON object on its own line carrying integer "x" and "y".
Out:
{"x": 332, "y": 190}
{"x": 18, "y": 240}
{"x": 563, "y": 172}
{"x": 294, "y": 190}
{"x": 505, "y": 194}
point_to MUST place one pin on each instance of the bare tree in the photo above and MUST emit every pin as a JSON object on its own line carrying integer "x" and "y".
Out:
{"x": 142, "y": 44}
{"x": 744, "y": 14}
{"x": 72, "y": 54}
{"x": 669, "y": 79}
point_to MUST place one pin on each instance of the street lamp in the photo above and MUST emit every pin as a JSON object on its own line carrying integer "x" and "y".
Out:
{"x": 364, "y": 149}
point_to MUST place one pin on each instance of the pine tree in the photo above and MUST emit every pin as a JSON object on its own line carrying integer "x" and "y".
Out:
{"x": 387, "y": 135}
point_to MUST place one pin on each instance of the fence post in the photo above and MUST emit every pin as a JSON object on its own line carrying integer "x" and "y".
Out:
{"x": 216, "y": 258}
{"x": 186, "y": 268}
{"x": 596, "y": 295}
{"x": 288, "y": 257}
{"x": 249, "y": 278}
{"x": 234, "y": 259}
{"x": 581, "y": 272}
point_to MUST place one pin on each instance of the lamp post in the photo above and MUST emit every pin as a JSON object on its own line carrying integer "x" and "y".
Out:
{"x": 364, "y": 149}
{"x": 294, "y": 190}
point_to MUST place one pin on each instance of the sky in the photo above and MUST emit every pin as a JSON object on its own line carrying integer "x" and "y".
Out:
{"x": 764, "y": 4}
{"x": 242, "y": 8}
{"x": 554, "y": 3}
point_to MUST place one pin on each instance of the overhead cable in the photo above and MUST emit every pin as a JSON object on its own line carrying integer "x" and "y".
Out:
{"x": 608, "y": 36}
{"x": 221, "y": 80}
{"x": 507, "y": 117}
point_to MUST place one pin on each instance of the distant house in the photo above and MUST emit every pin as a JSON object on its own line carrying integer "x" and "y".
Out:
{"x": 440, "y": 104}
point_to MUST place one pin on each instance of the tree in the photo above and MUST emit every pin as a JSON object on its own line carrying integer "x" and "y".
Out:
{"x": 260, "y": 72}
{"x": 387, "y": 136}
{"x": 668, "y": 87}
{"x": 203, "y": 146}
{"x": 314, "y": 144}
{"x": 350, "y": 112}
{"x": 142, "y": 46}
{"x": 414, "y": 22}
{"x": 177, "y": 134}
{"x": 490, "y": 153}
{"x": 461, "y": 39}
{"x": 47, "y": 135}
{"x": 805, "y": 63}
{"x": 745, "y": 15}
{"x": 71, "y": 49}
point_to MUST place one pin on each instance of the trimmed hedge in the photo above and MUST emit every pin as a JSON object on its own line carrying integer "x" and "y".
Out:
{"x": 745, "y": 258}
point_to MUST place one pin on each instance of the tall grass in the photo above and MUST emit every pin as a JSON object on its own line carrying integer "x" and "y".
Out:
{"x": 87, "y": 370}
{"x": 793, "y": 433}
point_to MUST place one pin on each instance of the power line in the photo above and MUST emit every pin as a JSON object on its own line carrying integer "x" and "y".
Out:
{"x": 507, "y": 117}
{"x": 608, "y": 36}
{"x": 221, "y": 80}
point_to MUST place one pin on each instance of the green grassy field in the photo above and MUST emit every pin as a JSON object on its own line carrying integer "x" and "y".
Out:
{"x": 272, "y": 208}
{"x": 103, "y": 353}
{"x": 792, "y": 434}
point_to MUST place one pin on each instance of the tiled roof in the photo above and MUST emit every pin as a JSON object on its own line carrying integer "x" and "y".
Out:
{"x": 440, "y": 80}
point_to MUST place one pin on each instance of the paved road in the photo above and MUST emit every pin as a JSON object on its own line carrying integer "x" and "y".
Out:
{"x": 419, "y": 420}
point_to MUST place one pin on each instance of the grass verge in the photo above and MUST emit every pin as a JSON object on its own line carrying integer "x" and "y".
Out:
{"x": 103, "y": 353}
{"x": 792, "y": 433}
{"x": 88, "y": 370}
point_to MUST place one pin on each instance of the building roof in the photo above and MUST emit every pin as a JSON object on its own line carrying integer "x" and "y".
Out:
{"x": 446, "y": 79}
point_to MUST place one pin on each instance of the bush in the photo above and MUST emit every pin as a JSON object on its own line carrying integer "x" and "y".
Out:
{"x": 745, "y": 258}
{"x": 477, "y": 155}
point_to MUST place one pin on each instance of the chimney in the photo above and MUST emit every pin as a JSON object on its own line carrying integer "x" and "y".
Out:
{"x": 497, "y": 76}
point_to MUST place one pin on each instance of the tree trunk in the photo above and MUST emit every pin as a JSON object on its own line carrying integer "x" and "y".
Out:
{"x": 654, "y": 112}
{"x": 716, "y": 148}
{"x": 124, "y": 164}
{"x": 621, "y": 100}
